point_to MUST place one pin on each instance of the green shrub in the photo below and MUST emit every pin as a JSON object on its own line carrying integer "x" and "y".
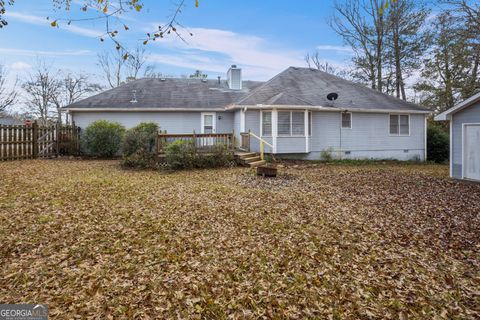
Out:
{"x": 103, "y": 138}
{"x": 326, "y": 155}
{"x": 438, "y": 144}
{"x": 182, "y": 155}
{"x": 139, "y": 147}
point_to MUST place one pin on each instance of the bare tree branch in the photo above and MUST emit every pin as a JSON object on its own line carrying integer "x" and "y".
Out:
{"x": 8, "y": 96}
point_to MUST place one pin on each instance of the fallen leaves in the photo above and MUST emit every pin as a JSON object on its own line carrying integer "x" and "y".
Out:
{"x": 325, "y": 241}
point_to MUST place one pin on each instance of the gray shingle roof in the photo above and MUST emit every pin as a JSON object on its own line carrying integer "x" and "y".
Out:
{"x": 168, "y": 94}
{"x": 292, "y": 87}
{"x": 305, "y": 86}
{"x": 9, "y": 121}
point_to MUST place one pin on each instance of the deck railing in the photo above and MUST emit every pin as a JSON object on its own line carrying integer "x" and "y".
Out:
{"x": 204, "y": 142}
{"x": 245, "y": 142}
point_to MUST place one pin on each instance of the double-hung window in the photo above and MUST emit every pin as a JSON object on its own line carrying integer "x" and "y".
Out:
{"x": 291, "y": 123}
{"x": 399, "y": 124}
{"x": 346, "y": 120}
{"x": 266, "y": 123}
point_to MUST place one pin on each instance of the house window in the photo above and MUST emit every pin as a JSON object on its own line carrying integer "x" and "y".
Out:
{"x": 291, "y": 123}
{"x": 298, "y": 123}
{"x": 346, "y": 120}
{"x": 399, "y": 124}
{"x": 309, "y": 123}
{"x": 284, "y": 123}
{"x": 266, "y": 123}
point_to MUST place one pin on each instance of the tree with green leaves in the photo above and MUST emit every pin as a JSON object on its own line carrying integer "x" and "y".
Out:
{"x": 198, "y": 74}
{"x": 450, "y": 67}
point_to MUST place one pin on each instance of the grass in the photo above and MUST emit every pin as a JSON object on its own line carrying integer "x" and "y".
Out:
{"x": 320, "y": 241}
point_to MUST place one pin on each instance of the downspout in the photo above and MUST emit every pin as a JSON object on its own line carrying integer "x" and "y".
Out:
{"x": 340, "y": 128}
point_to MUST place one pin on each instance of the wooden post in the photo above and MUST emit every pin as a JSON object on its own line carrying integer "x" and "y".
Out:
{"x": 58, "y": 127}
{"x": 35, "y": 139}
{"x": 194, "y": 140}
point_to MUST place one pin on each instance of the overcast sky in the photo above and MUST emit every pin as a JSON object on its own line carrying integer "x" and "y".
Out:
{"x": 262, "y": 37}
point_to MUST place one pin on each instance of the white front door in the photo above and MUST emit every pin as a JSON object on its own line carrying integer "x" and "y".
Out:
{"x": 471, "y": 151}
{"x": 208, "y": 122}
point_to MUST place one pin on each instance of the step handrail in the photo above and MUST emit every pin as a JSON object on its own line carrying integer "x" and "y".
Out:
{"x": 262, "y": 144}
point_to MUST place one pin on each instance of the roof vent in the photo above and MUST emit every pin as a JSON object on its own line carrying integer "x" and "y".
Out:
{"x": 332, "y": 96}
{"x": 134, "y": 97}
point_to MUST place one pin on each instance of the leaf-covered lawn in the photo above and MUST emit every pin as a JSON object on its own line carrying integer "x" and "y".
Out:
{"x": 320, "y": 241}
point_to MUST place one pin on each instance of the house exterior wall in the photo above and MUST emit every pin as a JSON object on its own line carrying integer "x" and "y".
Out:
{"x": 252, "y": 123}
{"x": 172, "y": 122}
{"x": 236, "y": 124}
{"x": 470, "y": 114}
{"x": 369, "y": 138}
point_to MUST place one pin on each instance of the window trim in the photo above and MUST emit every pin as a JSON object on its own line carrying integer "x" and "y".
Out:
{"x": 261, "y": 123}
{"x": 341, "y": 120}
{"x": 214, "y": 121}
{"x": 399, "y": 134}
{"x": 291, "y": 125}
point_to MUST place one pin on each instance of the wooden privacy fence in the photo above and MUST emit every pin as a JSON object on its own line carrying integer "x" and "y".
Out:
{"x": 204, "y": 142}
{"x": 33, "y": 141}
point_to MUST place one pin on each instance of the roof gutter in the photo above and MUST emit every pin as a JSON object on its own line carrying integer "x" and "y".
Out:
{"x": 141, "y": 109}
{"x": 321, "y": 108}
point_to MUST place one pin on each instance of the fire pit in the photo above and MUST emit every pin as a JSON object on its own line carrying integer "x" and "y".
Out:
{"x": 267, "y": 171}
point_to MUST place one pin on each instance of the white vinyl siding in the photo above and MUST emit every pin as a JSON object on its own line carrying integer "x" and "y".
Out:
{"x": 291, "y": 123}
{"x": 346, "y": 120}
{"x": 266, "y": 123}
{"x": 399, "y": 124}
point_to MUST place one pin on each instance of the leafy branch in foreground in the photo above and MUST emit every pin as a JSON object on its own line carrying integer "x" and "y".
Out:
{"x": 109, "y": 12}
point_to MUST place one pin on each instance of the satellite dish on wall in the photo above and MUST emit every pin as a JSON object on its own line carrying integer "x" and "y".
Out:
{"x": 332, "y": 96}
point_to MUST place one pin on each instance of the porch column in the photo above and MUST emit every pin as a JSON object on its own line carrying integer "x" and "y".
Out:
{"x": 242, "y": 120}
{"x": 274, "y": 129}
{"x": 307, "y": 124}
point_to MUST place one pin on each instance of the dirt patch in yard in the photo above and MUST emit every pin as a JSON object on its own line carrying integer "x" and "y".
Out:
{"x": 320, "y": 241}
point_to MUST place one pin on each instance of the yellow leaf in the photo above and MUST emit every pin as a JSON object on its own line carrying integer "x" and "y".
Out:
{"x": 54, "y": 23}
{"x": 105, "y": 9}
{"x": 196, "y": 3}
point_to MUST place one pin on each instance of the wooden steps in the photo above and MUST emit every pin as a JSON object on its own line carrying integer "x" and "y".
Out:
{"x": 250, "y": 159}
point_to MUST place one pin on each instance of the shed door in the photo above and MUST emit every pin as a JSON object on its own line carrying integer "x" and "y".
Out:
{"x": 471, "y": 156}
